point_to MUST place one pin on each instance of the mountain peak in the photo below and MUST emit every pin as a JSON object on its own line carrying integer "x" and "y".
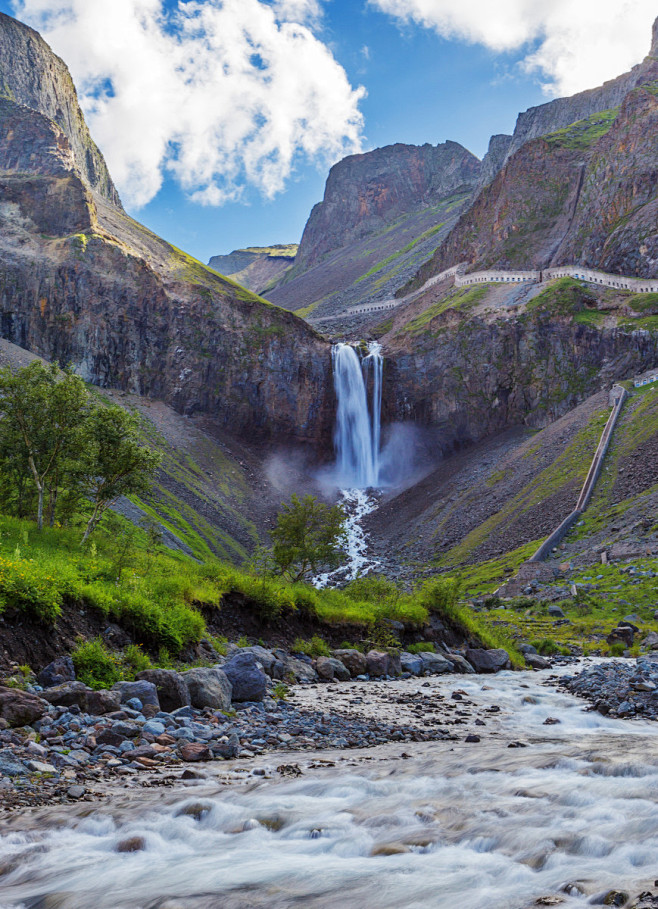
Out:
{"x": 654, "y": 40}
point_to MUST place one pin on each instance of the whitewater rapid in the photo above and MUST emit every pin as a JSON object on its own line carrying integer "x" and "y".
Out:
{"x": 572, "y": 815}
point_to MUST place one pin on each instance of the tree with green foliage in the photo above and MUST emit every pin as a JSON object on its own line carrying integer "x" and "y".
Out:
{"x": 309, "y": 536}
{"x": 113, "y": 462}
{"x": 42, "y": 411}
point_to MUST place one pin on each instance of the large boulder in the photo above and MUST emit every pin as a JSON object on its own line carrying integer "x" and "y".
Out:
{"x": 20, "y": 708}
{"x": 100, "y": 702}
{"x": 353, "y": 660}
{"x": 265, "y": 657}
{"x": 67, "y": 695}
{"x": 411, "y": 662}
{"x": 377, "y": 663}
{"x": 208, "y": 687}
{"x": 536, "y": 661}
{"x": 435, "y": 663}
{"x": 249, "y": 683}
{"x": 330, "y": 668}
{"x": 171, "y": 688}
{"x": 299, "y": 670}
{"x": 144, "y": 691}
{"x": 488, "y": 660}
{"x": 621, "y": 635}
{"x": 651, "y": 641}
{"x": 460, "y": 663}
{"x": 56, "y": 673}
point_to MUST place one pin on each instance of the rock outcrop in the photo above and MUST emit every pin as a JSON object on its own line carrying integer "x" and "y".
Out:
{"x": 366, "y": 192}
{"x": 257, "y": 268}
{"x": 585, "y": 194}
{"x": 82, "y": 283}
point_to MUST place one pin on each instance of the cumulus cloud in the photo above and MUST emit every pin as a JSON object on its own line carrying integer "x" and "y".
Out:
{"x": 219, "y": 94}
{"x": 579, "y": 43}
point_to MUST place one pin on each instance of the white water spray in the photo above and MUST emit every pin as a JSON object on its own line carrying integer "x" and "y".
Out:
{"x": 358, "y": 427}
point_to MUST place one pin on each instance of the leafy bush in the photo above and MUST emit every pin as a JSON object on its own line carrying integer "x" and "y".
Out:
{"x": 617, "y": 649}
{"x": 134, "y": 661}
{"x": 373, "y": 588}
{"x": 25, "y": 586}
{"x": 314, "y": 648}
{"x": 95, "y": 665}
{"x": 423, "y": 647}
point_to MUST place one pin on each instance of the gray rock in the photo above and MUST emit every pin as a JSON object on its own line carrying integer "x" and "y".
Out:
{"x": 488, "y": 660}
{"x": 170, "y": 685}
{"x": 265, "y": 657}
{"x": 527, "y": 648}
{"x": 537, "y": 661}
{"x": 20, "y": 708}
{"x": 209, "y": 687}
{"x": 411, "y": 662}
{"x": 460, "y": 663}
{"x": 435, "y": 663}
{"x": 249, "y": 683}
{"x": 556, "y": 612}
{"x": 68, "y": 694}
{"x": 329, "y": 668}
{"x": 135, "y": 703}
{"x": 353, "y": 660}
{"x": 153, "y": 727}
{"x": 56, "y": 673}
{"x": 301, "y": 671}
{"x": 145, "y": 691}
{"x": 621, "y": 635}
{"x": 101, "y": 702}
{"x": 10, "y": 765}
{"x": 377, "y": 663}
{"x": 651, "y": 640}
{"x": 40, "y": 767}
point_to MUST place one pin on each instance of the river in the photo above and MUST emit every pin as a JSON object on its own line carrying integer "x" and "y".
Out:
{"x": 445, "y": 824}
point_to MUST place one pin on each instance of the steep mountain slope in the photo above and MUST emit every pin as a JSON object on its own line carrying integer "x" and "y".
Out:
{"x": 573, "y": 190}
{"x": 257, "y": 268}
{"x": 383, "y": 214}
{"x": 82, "y": 283}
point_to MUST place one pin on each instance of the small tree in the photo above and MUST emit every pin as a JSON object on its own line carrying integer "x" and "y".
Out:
{"x": 113, "y": 463}
{"x": 309, "y": 536}
{"x": 42, "y": 412}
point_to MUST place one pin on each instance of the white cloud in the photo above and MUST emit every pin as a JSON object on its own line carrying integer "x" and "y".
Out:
{"x": 581, "y": 43}
{"x": 220, "y": 94}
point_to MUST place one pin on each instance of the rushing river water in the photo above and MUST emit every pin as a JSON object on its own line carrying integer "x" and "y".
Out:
{"x": 469, "y": 826}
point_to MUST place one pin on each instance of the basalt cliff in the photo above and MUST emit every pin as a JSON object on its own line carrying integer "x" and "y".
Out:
{"x": 83, "y": 283}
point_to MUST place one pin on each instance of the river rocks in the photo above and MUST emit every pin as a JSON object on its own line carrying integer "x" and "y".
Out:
{"x": 101, "y": 702}
{"x": 353, "y": 660}
{"x": 67, "y": 695}
{"x": 536, "y": 661}
{"x": 20, "y": 708}
{"x": 55, "y": 673}
{"x": 209, "y": 687}
{"x": 623, "y": 688}
{"x": 265, "y": 657}
{"x": 10, "y": 765}
{"x": 249, "y": 683}
{"x": 171, "y": 688}
{"x": 329, "y": 668}
{"x": 144, "y": 691}
{"x": 195, "y": 751}
{"x": 488, "y": 660}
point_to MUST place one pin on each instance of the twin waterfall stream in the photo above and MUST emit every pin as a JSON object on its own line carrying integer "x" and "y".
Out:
{"x": 357, "y": 441}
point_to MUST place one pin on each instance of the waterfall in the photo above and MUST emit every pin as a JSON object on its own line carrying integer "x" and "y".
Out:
{"x": 358, "y": 427}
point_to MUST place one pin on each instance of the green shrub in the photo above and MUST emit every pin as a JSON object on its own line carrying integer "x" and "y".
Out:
{"x": 617, "y": 649}
{"x": 374, "y": 588}
{"x": 134, "y": 661}
{"x": 95, "y": 665}
{"x": 314, "y": 648}
{"x": 423, "y": 647}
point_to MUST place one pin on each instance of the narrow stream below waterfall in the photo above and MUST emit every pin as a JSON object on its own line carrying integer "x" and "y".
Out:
{"x": 471, "y": 826}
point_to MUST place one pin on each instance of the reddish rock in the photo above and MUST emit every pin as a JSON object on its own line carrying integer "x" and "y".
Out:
{"x": 20, "y": 708}
{"x": 195, "y": 751}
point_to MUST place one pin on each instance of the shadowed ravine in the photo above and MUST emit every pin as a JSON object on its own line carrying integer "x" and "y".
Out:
{"x": 455, "y": 824}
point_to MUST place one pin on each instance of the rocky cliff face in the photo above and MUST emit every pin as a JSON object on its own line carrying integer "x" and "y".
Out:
{"x": 473, "y": 377}
{"x": 366, "y": 192}
{"x": 256, "y": 268}
{"x": 586, "y": 194}
{"x": 494, "y": 159}
{"x": 82, "y": 283}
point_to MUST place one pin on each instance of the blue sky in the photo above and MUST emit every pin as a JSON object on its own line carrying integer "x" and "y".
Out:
{"x": 428, "y": 78}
